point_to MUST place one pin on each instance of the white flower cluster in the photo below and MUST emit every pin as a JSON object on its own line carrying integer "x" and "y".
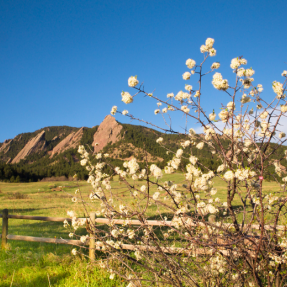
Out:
{"x": 212, "y": 116}
{"x": 133, "y": 81}
{"x": 209, "y": 132}
{"x": 247, "y": 82}
{"x": 76, "y": 223}
{"x": 224, "y": 115}
{"x": 190, "y": 63}
{"x": 221, "y": 168}
{"x": 204, "y": 208}
{"x": 200, "y": 145}
{"x": 173, "y": 164}
{"x": 157, "y": 111}
{"x": 186, "y": 76}
{"x": 156, "y": 195}
{"x": 229, "y": 175}
{"x": 186, "y": 143}
{"x": 219, "y": 83}
{"x": 245, "y": 99}
{"x": 215, "y": 65}
{"x": 264, "y": 115}
{"x": 208, "y": 47}
{"x": 193, "y": 159}
{"x": 278, "y": 168}
{"x": 127, "y": 98}
{"x": 284, "y": 74}
{"x": 159, "y": 140}
{"x": 125, "y": 112}
{"x": 133, "y": 166}
{"x": 114, "y": 110}
{"x": 217, "y": 265}
{"x": 278, "y": 89}
{"x": 181, "y": 96}
{"x": 230, "y": 106}
{"x": 237, "y": 62}
{"x": 156, "y": 171}
{"x": 244, "y": 174}
{"x": 185, "y": 109}
{"x": 120, "y": 172}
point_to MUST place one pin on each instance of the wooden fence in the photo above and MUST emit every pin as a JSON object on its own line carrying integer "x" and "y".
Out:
{"x": 92, "y": 247}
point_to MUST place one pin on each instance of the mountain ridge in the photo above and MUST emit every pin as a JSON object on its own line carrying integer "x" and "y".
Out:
{"x": 52, "y": 151}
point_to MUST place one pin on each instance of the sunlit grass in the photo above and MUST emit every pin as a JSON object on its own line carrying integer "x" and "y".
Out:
{"x": 34, "y": 264}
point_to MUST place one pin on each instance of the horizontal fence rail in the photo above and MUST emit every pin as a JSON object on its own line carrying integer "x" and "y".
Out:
{"x": 133, "y": 221}
{"x": 91, "y": 242}
{"x": 44, "y": 240}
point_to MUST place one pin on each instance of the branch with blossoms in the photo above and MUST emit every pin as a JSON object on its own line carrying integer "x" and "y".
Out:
{"x": 199, "y": 238}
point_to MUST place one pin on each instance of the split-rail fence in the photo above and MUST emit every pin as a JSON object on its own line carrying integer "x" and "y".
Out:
{"x": 92, "y": 247}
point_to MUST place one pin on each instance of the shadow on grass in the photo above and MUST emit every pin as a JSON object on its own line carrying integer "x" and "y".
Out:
{"x": 41, "y": 280}
{"x": 24, "y": 210}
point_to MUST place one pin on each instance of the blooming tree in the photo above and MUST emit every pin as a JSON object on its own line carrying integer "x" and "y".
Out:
{"x": 198, "y": 239}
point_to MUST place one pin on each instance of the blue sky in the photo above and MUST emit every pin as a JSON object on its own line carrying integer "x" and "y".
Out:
{"x": 66, "y": 62}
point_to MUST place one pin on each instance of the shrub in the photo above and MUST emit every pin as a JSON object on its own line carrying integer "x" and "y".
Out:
{"x": 209, "y": 241}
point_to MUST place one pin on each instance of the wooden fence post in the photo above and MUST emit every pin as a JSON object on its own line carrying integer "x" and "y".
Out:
{"x": 4, "y": 229}
{"x": 92, "y": 244}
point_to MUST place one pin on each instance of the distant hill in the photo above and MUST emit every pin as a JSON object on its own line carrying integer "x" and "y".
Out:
{"x": 52, "y": 151}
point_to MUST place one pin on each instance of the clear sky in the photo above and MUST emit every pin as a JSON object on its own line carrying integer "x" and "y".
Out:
{"x": 66, "y": 62}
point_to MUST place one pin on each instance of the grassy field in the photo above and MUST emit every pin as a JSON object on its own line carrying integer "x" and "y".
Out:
{"x": 43, "y": 264}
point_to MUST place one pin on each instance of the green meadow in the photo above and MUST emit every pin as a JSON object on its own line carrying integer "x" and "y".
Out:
{"x": 44, "y": 264}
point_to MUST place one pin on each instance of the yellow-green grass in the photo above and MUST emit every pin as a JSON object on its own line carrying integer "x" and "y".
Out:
{"x": 34, "y": 264}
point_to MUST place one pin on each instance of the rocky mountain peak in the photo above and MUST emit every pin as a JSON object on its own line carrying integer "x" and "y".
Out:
{"x": 35, "y": 144}
{"x": 71, "y": 141}
{"x": 108, "y": 131}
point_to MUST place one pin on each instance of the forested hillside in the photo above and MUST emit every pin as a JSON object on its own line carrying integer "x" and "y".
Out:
{"x": 137, "y": 141}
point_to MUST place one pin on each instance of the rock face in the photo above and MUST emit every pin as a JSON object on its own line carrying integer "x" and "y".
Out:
{"x": 5, "y": 146}
{"x": 107, "y": 132}
{"x": 34, "y": 145}
{"x": 71, "y": 141}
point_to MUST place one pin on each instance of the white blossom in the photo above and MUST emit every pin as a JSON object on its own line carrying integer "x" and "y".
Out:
{"x": 230, "y": 106}
{"x": 156, "y": 195}
{"x": 127, "y": 98}
{"x": 215, "y": 65}
{"x": 200, "y": 145}
{"x": 219, "y": 83}
{"x": 190, "y": 63}
{"x": 224, "y": 115}
{"x": 185, "y": 109}
{"x": 159, "y": 140}
{"x": 212, "y": 116}
{"x": 277, "y": 88}
{"x": 186, "y": 76}
{"x": 156, "y": 111}
{"x": 114, "y": 110}
{"x": 229, "y": 175}
{"x": 125, "y": 112}
{"x": 133, "y": 81}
